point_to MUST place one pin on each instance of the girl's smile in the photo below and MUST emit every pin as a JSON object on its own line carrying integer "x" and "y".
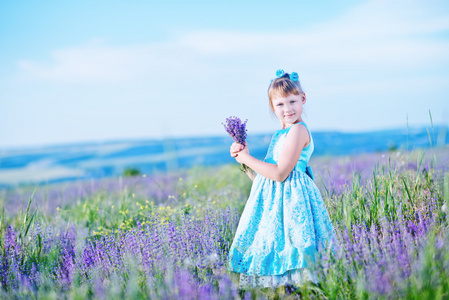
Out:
{"x": 289, "y": 109}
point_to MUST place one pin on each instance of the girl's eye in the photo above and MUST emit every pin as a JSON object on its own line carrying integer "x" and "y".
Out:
{"x": 280, "y": 104}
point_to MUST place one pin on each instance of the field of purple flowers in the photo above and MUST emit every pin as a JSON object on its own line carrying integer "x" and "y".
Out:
{"x": 167, "y": 236}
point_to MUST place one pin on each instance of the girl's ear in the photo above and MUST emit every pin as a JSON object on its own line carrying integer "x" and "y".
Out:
{"x": 303, "y": 98}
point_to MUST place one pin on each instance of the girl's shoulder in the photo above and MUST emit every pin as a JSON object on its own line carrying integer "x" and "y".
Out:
{"x": 297, "y": 130}
{"x": 285, "y": 130}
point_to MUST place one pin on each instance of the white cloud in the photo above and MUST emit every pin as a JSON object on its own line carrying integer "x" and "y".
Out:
{"x": 93, "y": 63}
{"x": 374, "y": 35}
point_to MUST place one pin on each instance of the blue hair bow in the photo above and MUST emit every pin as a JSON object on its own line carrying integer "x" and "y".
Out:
{"x": 293, "y": 76}
{"x": 280, "y": 73}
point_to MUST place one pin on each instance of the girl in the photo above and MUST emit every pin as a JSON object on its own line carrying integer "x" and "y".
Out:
{"x": 285, "y": 220}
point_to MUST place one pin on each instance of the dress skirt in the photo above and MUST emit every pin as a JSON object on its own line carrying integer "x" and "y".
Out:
{"x": 281, "y": 229}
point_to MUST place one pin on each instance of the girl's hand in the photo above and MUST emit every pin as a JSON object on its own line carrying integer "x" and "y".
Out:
{"x": 240, "y": 155}
{"x": 235, "y": 148}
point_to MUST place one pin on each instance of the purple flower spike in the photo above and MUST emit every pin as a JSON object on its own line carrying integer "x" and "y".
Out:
{"x": 236, "y": 129}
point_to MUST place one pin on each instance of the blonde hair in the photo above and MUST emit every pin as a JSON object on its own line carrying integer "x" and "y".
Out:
{"x": 283, "y": 86}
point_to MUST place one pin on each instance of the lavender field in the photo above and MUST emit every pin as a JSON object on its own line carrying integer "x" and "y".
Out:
{"x": 166, "y": 236}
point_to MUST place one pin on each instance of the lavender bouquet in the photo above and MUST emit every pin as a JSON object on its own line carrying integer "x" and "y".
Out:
{"x": 237, "y": 130}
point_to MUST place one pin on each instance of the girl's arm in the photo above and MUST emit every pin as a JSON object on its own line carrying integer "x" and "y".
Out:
{"x": 251, "y": 174}
{"x": 295, "y": 141}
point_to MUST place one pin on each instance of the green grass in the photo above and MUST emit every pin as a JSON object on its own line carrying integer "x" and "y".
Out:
{"x": 391, "y": 192}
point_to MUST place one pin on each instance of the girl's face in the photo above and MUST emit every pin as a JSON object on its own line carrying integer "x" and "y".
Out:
{"x": 289, "y": 109}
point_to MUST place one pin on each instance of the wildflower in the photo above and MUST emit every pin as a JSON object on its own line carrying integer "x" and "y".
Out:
{"x": 134, "y": 195}
{"x": 144, "y": 175}
{"x": 195, "y": 186}
{"x": 137, "y": 203}
{"x": 84, "y": 205}
{"x": 180, "y": 178}
{"x": 212, "y": 257}
{"x": 188, "y": 262}
{"x": 57, "y": 208}
{"x": 112, "y": 206}
{"x": 237, "y": 130}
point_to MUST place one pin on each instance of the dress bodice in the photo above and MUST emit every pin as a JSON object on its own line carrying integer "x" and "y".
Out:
{"x": 277, "y": 143}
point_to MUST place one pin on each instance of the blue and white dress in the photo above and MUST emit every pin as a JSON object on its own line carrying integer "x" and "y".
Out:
{"x": 281, "y": 225}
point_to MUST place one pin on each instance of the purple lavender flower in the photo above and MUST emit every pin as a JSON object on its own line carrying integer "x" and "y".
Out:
{"x": 236, "y": 129}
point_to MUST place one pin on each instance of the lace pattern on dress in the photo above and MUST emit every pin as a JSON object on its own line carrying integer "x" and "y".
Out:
{"x": 296, "y": 276}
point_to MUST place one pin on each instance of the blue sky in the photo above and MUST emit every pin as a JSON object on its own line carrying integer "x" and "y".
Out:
{"x": 104, "y": 70}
